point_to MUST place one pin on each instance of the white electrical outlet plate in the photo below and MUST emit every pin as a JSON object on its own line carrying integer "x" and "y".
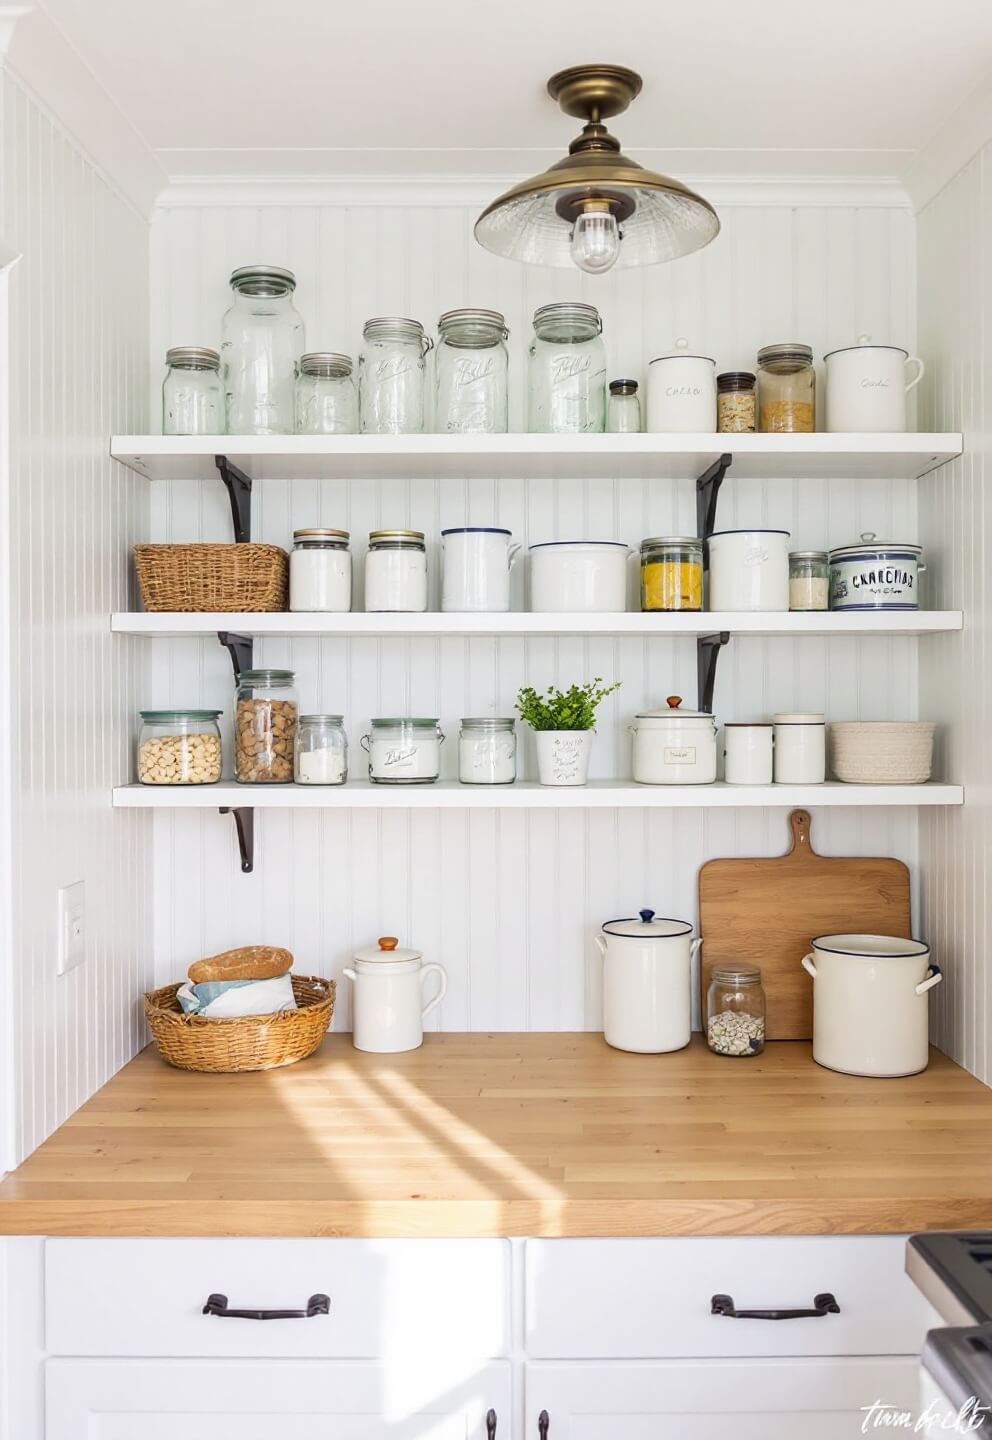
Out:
{"x": 72, "y": 927}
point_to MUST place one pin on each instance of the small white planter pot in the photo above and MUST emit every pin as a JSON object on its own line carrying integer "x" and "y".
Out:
{"x": 563, "y": 756}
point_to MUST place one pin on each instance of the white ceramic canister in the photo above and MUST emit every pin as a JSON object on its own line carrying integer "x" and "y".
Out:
{"x": 674, "y": 746}
{"x": 396, "y": 571}
{"x": 873, "y": 576}
{"x": 563, "y": 756}
{"x": 475, "y": 568}
{"x": 681, "y": 392}
{"x": 867, "y": 386}
{"x": 320, "y": 571}
{"x": 870, "y": 1003}
{"x": 800, "y": 749}
{"x": 579, "y": 576}
{"x": 747, "y": 752}
{"x": 404, "y": 750}
{"x": 749, "y": 570}
{"x": 647, "y": 983}
{"x": 389, "y": 1010}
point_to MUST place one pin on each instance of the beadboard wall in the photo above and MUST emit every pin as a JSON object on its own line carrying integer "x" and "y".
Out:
{"x": 77, "y": 362}
{"x": 955, "y": 243}
{"x": 509, "y": 901}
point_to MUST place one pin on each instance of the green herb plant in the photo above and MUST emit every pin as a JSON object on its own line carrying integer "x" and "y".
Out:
{"x": 572, "y": 709}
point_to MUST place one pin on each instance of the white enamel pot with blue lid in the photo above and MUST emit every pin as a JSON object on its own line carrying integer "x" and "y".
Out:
{"x": 647, "y": 983}
{"x": 875, "y": 576}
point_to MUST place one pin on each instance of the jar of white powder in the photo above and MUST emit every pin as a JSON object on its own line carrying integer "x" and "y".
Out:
{"x": 321, "y": 753}
{"x": 487, "y": 751}
{"x": 403, "y": 750}
{"x": 809, "y": 584}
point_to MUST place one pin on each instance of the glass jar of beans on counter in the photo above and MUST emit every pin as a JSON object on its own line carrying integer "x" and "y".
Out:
{"x": 735, "y": 1010}
{"x": 265, "y": 721}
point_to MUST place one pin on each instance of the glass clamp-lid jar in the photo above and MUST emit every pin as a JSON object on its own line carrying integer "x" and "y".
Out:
{"x": 320, "y": 571}
{"x": 396, "y": 571}
{"x": 567, "y": 371}
{"x": 735, "y": 1010}
{"x": 809, "y": 580}
{"x": 391, "y": 376}
{"x": 786, "y": 389}
{"x": 326, "y": 398}
{"x": 263, "y": 339}
{"x": 623, "y": 408}
{"x": 736, "y": 402}
{"x": 321, "y": 750}
{"x": 179, "y": 747}
{"x": 487, "y": 751}
{"x": 192, "y": 393}
{"x": 265, "y": 727}
{"x": 672, "y": 573}
{"x": 404, "y": 750}
{"x": 471, "y": 370}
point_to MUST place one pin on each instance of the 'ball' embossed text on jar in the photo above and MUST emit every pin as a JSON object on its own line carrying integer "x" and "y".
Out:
{"x": 396, "y": 571}
{"x": 326, "y": 399}
{"x": 800, "y": 749}
{"x": 192, "y": 393}
{"x": 404, "y": 750}
{"x": 392, "y": 366}
{"x": 487, "y": 751}
{"x": 471, "y": 373}
{"x": 567, "y": 371}
{"x": 320, "y": 571}
{"x": 263, "y": 339}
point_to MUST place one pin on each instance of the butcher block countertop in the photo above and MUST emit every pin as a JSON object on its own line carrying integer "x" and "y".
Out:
{"x": 537, "y": 1134}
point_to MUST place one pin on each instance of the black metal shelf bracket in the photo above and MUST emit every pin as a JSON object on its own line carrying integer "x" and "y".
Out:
{"x": 238, "y": 486}
{"x": 708, "y": 493}
{"x": 241, "y": 649}
{"x": 708, "y": 649}
{"x": 244, "y": 822}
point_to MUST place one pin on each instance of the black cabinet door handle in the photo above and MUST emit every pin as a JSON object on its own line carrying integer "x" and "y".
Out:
{"x": 543, "y": 1424}
{"x": 217, "y": 1305}
{"x": 490, "y": 1425}
{"x": 824, "y": 1304}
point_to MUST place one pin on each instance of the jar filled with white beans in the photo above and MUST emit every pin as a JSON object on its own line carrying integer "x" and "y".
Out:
{"x": 179, "y": 747}
{"x": 735, "y": 1011}
{"x": 396, "y": 571}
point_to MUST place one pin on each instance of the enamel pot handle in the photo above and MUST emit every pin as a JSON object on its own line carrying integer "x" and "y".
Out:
{"x": 807, "y": 963}
{"x": 695, "y": 947}
{"x": 350, "y": 974}
{"x": 600, "y": 945}
{"x": 436, "y": 999}
{"x": 934, "y": 977}
{"x": 512, "y": 551}
{"x": 921, "y": 370}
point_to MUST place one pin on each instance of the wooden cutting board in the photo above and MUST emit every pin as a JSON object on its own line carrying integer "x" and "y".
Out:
{"x": 766, "y": 912}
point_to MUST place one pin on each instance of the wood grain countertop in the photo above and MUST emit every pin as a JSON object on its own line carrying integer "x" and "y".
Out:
{"x": 537, "y": 1134}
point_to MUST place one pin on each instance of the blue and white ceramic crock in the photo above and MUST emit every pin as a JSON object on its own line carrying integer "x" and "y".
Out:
{"x": 872, "y": 576}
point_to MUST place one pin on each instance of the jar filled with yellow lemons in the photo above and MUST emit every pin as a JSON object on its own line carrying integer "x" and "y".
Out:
{"x": 672, "y": 573}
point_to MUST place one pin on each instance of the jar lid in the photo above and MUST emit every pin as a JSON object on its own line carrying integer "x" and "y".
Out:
{"x": 799, "y": 718}
{"x": 872, "y": 947}
{"x": 158, "y": 715}
{"x": 864, "y": 342}
{"x": 321, "y": 719}
{"x": 387, "y": 948}
{"x": 317, "y": 533}
{"x": 568, "y": 312}
{"x": 381, "y": 327}
{"x": 656, "y": 542}
{"x": 623, "y": 387}
{"x": 411, "y": 536}
{"x": 807, "y": 554}
{"x": 266, "y": 677}
{"x": 732, "y": 380}
{"x": 488, "y": 722}
{"x": 681, "y": 351}
{"x": 330, "y": 364}
{"x": 788, "y": 351}
{"x": 736, "y": 974}
{"x": 481, "y": 326}
{"x": 871, "y": 546}
{"x": 476, "y": 530}
{"x": 547, "y": 544}
{"x": 674, "y": 712}
{"x": 183, "y": 356}
{"x": 262, "y": 280}
{"x": 648, "y": 927}
{"x": 417, "y": 722}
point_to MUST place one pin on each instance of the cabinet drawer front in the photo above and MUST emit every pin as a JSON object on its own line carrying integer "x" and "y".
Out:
{"x": 650, "y": 1298}
{"x": 145, "y": 1297}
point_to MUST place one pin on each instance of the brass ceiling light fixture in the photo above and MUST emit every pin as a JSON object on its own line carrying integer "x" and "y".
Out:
{"x": 596, "y": 208}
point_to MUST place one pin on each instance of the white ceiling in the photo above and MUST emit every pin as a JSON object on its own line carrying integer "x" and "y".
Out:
{"x": 326, "y": 87}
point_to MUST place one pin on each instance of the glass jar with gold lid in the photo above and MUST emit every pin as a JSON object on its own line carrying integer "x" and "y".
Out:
{"x": 672, "y": 573}
{"x": 786, "y": 389}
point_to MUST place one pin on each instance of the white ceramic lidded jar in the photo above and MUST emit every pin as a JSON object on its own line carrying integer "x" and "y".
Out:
{"x": 396, "y": 571}
{"x": 875, "y": 576}
{"x": 388, "y": 1008}
{"x": 681, "y": 392}
{"x": 320, "y": 571}
{"x": 800, "y": 749}
{"x": 647, "y": 983}
{"x": 749, "y": 570}
{"x": 867, "y": 387}
{"x": 475, "y": 568}
{"x": 674, "y": 746}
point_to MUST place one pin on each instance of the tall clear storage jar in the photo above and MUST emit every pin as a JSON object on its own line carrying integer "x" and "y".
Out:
{"x": 192, "y": 393}
{"x": 786, "y": 389}
{"x": 392, "y": 367}
{"x": 320, "y": 571}
{"x": 471, "y": 373}
{"x": 266, "y": 712}
{"x": 567, "y": 371}
{"x": 263, "y": 340}
{"x": 179, "y": 747}
{"x": 326, "y": 399}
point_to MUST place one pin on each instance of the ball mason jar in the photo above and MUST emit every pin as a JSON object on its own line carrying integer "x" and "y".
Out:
{"x": 392, "y": 366}
{"x": 192, "y": 393}
{"x": 786, "y": 389}
{"x": 567, "y": 371}
{"x": 266, "y": 712}
{"x": 179, "y": 747}
{"x": 326, "y": 398}
{"x": 263, "y": 340}
{"x": 470, "y": 373}
{"x": 487, "y": 751}
{"x": 404, "y": 750}
{"x": 320, "y": 751}
{"x": 735, "y": 1010}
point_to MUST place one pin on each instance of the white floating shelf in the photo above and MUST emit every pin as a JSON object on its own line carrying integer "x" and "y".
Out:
{"x": 526, "y": 795}
{"x": 306, "y": 457}
{"x": 299, "y": 626}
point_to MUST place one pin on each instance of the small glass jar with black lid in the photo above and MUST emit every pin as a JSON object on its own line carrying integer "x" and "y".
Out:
{"x": 623, "y": 408}
{"x": 735, "y": 1010}
{"x": 736, "y": 402}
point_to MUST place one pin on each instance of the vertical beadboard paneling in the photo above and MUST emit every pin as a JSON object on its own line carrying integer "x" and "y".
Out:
{"x": 955, "y": 301}
{"x": 78, "y": 371}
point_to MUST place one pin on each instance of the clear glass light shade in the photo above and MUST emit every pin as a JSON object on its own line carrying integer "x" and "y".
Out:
{"x": 595, "y": 242}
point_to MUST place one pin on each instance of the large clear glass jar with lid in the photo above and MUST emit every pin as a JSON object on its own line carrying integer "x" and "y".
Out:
{"x": 392, "y": 367}
{"x": 735, "y": 1010}
{"x": 672, "y": 573}
{"x": 192, "y": 393}
{"x": 487, "y": 750}
{"x": 320, "y": 571}
{"x": 321, "y": 750}
{"x": 623, "y": 408}
{"x": 404, "y": 750}
{"x": 326, "y": 398}
{"x": 263, "y": 339}
{"x": 179, "y": 747}
{"x": 567, "y": 371}
{"x": 266, "y": 712}
{"x": 786, "y": 389}
{"x": 470, "y": 370}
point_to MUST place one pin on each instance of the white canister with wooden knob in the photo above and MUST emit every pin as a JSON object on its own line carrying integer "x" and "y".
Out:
{"x": 389, "y": 1009}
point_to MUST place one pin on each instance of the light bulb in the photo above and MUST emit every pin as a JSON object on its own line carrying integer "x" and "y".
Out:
{"x": 595, "y": 241}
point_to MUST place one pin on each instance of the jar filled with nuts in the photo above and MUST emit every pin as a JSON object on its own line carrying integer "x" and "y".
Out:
{"x": 265, "y": 727}
{"x": 735, "y": 1010}
{"x": 179, "y": 747}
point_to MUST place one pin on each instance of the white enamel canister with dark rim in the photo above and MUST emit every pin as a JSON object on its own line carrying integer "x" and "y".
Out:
{"x": 647, "y": 983}
{"x": 867, "y": 387}
{"x": 875, "y": 576}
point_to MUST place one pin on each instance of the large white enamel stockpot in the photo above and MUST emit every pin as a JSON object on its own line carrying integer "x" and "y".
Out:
{"x": 681, "y": 392}
{"x": 875, "y": 576}
{"x": 870, "y": 1003}
{"x": 673, "y": 746}
{"x": 389, "y": 1010}
{"x": 749, "y": 570}
{"x": 475, "y": 568}
{"x": 579, "y": 576}
{"x": 867, "y": 386}
{"x": 647, "y": 983}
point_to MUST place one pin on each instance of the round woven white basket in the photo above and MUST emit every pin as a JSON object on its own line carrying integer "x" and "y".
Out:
{"x": 882, "y": 752}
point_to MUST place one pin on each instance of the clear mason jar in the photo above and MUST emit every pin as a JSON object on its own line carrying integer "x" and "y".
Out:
{"x": 265, "y": 727}
{"x": 321, "y": 750}
{"x": 470, "y": 372}
{"x": 623, "y": 408}
{"x": 396, "y": 571}
{"x": 809, "y": 580}
{"x": 192, "y": 393}
{"x": 320, "y": 571}
{"x": 326, "y": 399}
{"x": 567, "y": 371}
{"x": 672, "y": 573}
{"x": 786, "y": 389}
{"x": 179, "y": 747}
{"x": 263, "y": 340}
{"x": 404, "y": 750}
{"x": 392, "y": 366}
{"x": 735, "y": 1010}
{"x": 487, "y": 751}
{"x": 736, "y": 402}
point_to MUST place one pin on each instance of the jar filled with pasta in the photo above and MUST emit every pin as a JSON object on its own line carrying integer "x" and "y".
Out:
{"x": 672, "y": 573}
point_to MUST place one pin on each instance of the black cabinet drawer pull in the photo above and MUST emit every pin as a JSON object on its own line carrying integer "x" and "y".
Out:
{"x": 490, "y": 1425}
{"x": 824, "y": 1304}
{"x": 543, "y": 1423}
{"x": 217, "y": 1305}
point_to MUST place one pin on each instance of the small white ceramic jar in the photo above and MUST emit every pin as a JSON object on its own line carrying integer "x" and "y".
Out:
{"x": 674, "y": 746}
{"x": 867, "y": 387}
{"x": 320, "y": 572}
{"x": 487, "y": 751}
{"x": 396, "y": 571}
{"x": 404, "y": 750}
{"x": 749, "y": 570}
{"x": 681, "y": 392}
{"x": 647, "y": 983}
{"x": 579, "y": 576}
{"x": 475, "y": 568}
{"x": 388, "y": 1009}
{"x": 747, "y": 752}
{"x": 800, "y": 749}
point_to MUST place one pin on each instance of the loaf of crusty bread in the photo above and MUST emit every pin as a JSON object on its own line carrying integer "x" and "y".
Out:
{"x": 251, "y": 962}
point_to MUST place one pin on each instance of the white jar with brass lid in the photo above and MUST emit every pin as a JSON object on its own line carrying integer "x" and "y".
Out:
{"x": 320, "y": 571}
{"x": 396, "y": 571}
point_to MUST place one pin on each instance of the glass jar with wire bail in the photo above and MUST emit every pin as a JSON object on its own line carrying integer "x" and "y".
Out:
{"x": 735, "y": 1010}
{"x": 471, "y": 372}
{"x": 567, "y": 371}
{"x": 263, "y": 339}
{"x": 192, "y": 393}
{"x": 786, "y": 389}
{"x": 326, "y": 399}
{"x": 392, "y": 366}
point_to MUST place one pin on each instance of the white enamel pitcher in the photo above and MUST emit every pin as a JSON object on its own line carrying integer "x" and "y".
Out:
{"x": 389, "y": 1009}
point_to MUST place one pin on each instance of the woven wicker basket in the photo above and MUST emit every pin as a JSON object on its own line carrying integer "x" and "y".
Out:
{"x": 882, "y": 752}
{"x": 212, "y": 577}
{"x": 250, "y": 1042}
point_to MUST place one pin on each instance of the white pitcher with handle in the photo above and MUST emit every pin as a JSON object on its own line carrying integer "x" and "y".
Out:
{"x": 867, "y": 387}
{"x": 389, "y": 1009}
